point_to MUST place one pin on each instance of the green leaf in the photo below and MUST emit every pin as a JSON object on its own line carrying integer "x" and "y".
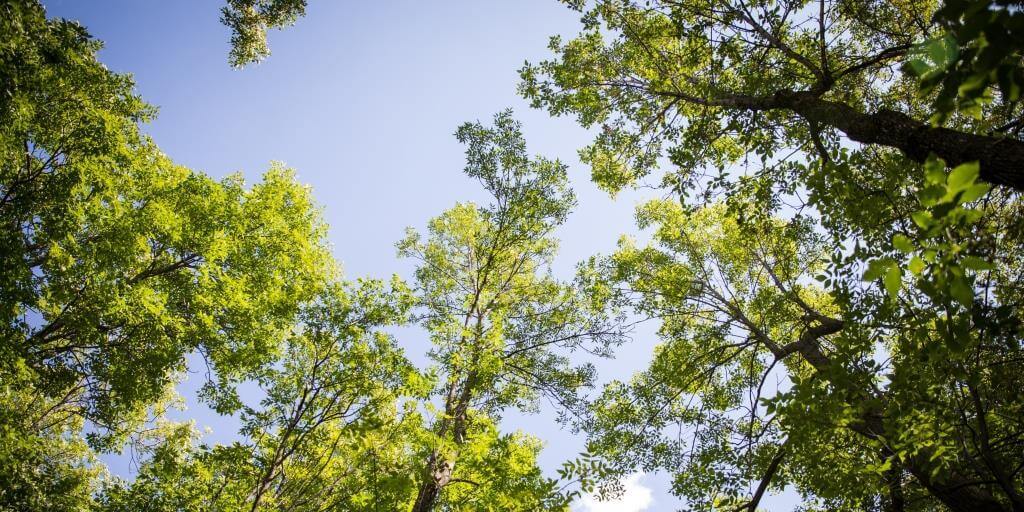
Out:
{"x": 902, "y": 243}
{"x": 943, "y": 51}
{"x": 919, "y": 67}
{"x": 960, "y": 289}
{"x": 973, "y": 192}
{"x": 893, "y": 280}
{"x": 973, "y": 110}
{"x": 916, "y": 265}
{"x": 976, "y": 263}
{"x": 962, "y": 176}
{"x": 935, "y": 171}
{"x": 883, "y": 467}
{"x": 922, "y": 218}
{"x": 972, "y": 83}
{"x": 877, "y": 268}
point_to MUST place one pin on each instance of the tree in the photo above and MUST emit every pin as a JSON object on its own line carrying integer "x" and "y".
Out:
{"x": 117, "y": 264}
{"x": 894, "y": 396}
{"x": 835, "y": 264}
{"x": 342, "y": 424}
{"x": 249, "y": 21}
{"x": 500, "y": 325}
{"x": 331, "y": 407}
{"x": 329, "y": 432}
{"x": 810, "y": 70}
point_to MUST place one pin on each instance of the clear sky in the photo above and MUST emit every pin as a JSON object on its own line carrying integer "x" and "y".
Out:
{"x": 362, "y": 99}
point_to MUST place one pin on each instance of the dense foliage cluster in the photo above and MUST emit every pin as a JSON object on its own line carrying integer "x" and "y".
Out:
{"x": 840, "y": 313}
{"x": 835, "y": 266}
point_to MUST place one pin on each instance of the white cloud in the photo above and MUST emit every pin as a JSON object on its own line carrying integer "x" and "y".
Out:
{"x": 635, "y": 498}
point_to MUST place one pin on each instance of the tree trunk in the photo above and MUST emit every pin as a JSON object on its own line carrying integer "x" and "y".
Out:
{"x": 439, "y": 473}
{"x": 439, "y": 470}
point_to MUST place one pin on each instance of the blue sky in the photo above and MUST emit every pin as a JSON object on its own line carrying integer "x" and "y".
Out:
{"x": 362, "y": 99}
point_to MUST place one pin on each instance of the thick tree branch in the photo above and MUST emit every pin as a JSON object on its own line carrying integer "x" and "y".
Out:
{"x": 807, "y": 344}
{"x": 1001, "y": 159}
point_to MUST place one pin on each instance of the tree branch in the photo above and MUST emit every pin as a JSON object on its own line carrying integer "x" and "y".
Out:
{"x": 1001, "y": 159}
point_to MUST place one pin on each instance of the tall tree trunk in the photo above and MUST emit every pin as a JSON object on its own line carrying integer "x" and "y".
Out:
{"x": 439, "y": 469}
{"x": 439, "y": 473}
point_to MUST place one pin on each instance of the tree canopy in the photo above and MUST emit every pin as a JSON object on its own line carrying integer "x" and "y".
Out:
{"x": 832, "y": 256}
{"x": 820, "y": 173}
{"x": 118, "y": 263}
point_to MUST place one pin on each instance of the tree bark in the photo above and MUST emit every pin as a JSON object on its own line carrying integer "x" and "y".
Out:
{"x": 1001, "y": 159}
{"x": 439, "y": 473}
{"x": 439, "y": 470}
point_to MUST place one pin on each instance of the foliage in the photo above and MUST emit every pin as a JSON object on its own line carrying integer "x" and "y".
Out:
{"x": 327, "y": 434}
{"x": 117, "y": 263}
{"x": 501, "y": 326}
{"x": 249, "y": 21}
{"x": 348, "y": 423}
{"x": 979, "y": 49}
{"x": 834, "y": 264}
{"x": 794, "y": 145}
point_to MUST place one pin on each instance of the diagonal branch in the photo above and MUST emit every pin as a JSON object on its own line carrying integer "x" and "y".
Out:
{"x": 766, "y": 480}
{"x": 1001, "y": 159}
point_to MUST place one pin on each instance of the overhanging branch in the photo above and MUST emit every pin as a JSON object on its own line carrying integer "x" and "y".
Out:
{"x": 1001, "y": 159}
